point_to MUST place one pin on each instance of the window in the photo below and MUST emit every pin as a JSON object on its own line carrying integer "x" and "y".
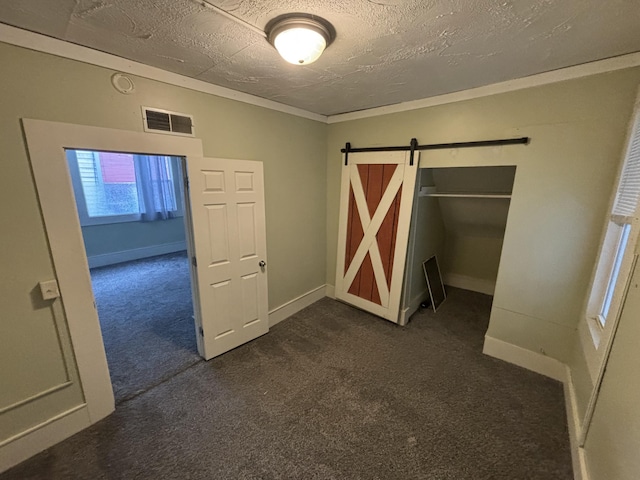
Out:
{"x": 620, "y": 232}
{"x": 613, "y": 265}
{"x": 121, "y": 187}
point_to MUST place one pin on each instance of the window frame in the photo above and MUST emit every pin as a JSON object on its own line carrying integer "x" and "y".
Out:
{"x": 616, "y": 271}
{"x": 609, "y": 283}
{"x": 81, "y": 204}
{"x": 613, "y": 267}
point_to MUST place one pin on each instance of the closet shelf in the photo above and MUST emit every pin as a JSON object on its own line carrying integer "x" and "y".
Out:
{"x": 466, "y": 195}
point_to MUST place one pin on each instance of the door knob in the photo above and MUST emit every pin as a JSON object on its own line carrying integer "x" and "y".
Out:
{"x": 262, "y": 263}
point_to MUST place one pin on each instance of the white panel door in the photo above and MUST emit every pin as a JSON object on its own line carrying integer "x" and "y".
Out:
{"x": 229, "y": 246}
{"x": 375, "y": 215}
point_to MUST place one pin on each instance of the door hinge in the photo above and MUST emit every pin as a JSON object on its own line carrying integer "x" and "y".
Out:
{"x": 186, "y": 182}
{"x": 194, "y": 262}
{"x": 201, "y": 331}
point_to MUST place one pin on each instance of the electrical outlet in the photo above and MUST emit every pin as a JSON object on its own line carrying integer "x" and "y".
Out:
{"x": 49, "y": 290}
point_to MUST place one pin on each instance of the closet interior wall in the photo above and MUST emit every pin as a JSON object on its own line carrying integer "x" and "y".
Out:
{"x": 460, "y": 215}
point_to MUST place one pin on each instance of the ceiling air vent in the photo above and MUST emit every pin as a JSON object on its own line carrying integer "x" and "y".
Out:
{"x": 163, "y": 121}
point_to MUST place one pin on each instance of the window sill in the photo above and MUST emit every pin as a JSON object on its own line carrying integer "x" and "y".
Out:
{"x": 595, "y": 329}
{"x": 115, "y": 219}
{"x": 108, "y": 220}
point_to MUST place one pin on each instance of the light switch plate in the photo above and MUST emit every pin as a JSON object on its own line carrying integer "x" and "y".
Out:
{"x": 49, "y": 290}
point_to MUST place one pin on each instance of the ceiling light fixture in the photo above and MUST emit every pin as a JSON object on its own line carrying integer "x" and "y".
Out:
{"x": 299, "y": 38}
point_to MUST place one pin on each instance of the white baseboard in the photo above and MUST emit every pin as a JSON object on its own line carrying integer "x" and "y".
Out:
{"x": 105, "y": 259}
{"x": 557, "y": 370}
{"x": 294, "y": 306}
{"x": 536, "y": 362}
{"x": 43, "y": 436}
{"x": 578, "y": 459}
{"x": 413, "y": 307}
{"x": 479, "y": 285}
{"x": 331, "y": 291}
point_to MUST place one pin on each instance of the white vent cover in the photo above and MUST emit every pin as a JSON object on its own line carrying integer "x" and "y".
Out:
{"x": 164, "y": 121}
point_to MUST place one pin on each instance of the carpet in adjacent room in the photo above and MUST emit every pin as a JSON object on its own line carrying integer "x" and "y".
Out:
{"x": 145, "y": 310}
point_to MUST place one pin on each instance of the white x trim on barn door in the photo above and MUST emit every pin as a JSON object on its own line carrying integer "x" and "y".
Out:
{"x": 370, "y": 226}
{"x": 357, "y": 202}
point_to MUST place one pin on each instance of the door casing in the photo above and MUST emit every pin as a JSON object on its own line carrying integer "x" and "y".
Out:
{"x": 46, "y": 142}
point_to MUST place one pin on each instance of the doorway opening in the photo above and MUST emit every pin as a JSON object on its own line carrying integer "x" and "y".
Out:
{"x": 131, "y": 209}
{"x": 459, "y": 215}
{"x": 225, "y": 216}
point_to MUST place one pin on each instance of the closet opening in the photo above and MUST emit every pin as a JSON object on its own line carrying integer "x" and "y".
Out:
{"x": 460, "y": 215}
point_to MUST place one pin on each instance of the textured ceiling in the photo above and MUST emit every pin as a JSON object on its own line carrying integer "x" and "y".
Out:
{"x": 385, "y": 52}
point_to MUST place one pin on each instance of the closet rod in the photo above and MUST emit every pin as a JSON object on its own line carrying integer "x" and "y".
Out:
{"x": 435, "y": 146}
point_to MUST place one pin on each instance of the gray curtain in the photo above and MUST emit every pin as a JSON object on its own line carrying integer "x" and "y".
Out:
{"x": 155, "y": 187}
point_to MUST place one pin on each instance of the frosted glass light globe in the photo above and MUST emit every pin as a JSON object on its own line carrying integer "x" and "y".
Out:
{"x": 299, "y": 45}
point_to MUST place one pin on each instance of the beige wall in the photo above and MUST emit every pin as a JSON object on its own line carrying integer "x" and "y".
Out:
{"x": 613, "y": 441}
{"x": 563, "y": 184}
{"x": 581, "y": 379}
{"x": 472, "y": 257}
{"x": 474, "y": 226}
{"x": 41, "y": 86}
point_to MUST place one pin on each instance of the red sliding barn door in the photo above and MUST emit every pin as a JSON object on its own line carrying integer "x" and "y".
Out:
{"x": 375, "y": 213}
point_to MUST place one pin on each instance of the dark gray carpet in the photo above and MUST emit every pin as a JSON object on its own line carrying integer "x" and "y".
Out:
{"x": 334, "y": 393}
{"x": 145, "y": 310}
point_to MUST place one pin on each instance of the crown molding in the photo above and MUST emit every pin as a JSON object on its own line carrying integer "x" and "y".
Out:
{"x": 554, "y": 76}
{"x": 42, "y": 43}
